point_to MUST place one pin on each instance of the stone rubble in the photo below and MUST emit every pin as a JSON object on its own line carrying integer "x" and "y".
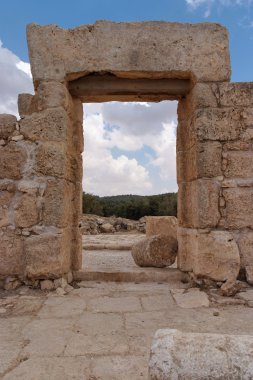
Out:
{"x": 93, "y": 224}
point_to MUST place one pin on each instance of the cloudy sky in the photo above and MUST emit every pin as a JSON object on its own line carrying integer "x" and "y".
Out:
{"x": 129, "y": 147}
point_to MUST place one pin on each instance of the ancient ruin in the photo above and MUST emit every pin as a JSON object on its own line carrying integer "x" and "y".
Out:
{"x": 40, "y": 154}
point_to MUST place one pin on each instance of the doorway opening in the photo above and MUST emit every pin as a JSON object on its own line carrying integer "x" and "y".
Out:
{"x": 129, "y": 164}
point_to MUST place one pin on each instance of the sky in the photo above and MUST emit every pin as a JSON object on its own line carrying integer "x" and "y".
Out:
{"x": 129, "y": 147}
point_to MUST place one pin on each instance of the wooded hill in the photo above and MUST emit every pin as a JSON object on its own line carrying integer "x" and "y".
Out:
{"x": 130, "y": 206}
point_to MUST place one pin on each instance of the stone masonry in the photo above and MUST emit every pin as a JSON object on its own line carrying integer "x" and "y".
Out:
{"x": 40, "y": 160}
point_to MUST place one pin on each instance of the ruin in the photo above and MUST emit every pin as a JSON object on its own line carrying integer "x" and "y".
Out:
{"x": 40, "y": 154}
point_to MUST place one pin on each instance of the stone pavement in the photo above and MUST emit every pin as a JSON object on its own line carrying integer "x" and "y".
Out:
{"x": 114, "y": 265}
{"x": 103, "y": 331}
{"x": 118, "y": 241}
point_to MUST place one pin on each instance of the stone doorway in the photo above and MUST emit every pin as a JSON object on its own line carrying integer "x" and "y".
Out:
{"x": 148, "y": 60}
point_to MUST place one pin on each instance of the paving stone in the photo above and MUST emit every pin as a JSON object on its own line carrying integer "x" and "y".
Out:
{"x": 190, "y": 298}
{"x": 99, "y": 323}
{"x": 51, "y": 368}
{"x": 157, "y": 302}
{"x": 115, "y": 305}
{"x": 47, "y": 337}
{"x": 247, "y": 295}
{"x": 129, "y": 367}
{"x": 62, "y": 307}
{"x": 80, "y": 344}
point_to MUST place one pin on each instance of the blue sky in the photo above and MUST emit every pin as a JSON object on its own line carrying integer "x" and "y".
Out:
{"x": 123, "y": 153}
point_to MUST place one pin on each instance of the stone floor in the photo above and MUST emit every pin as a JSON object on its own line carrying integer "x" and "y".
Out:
{"x": 103, "y": 331}
{"x": 118, "y": 241}
{"x": 108, "y": 257}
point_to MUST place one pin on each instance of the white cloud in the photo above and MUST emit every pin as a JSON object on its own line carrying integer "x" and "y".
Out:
{"x": 129, "y": 127}
{"x": 209, "y": 4}
{"x": 15, "y": 78}
{"x": 103, "y": 174}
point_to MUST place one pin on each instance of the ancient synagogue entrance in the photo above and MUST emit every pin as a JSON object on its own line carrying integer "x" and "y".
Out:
{"x": 142, "y": 61}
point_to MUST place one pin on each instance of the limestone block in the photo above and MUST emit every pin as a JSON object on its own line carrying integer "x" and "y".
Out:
{"x": 47, "y": 125}
{"x": 5, "y": 200}
{"x": 198, "y": 203}
{"x": 247, "y": 115}
{"x": 202, "y": 160}
{"x": 77, "y": 248}
{"x": 7, "y": 125}
{"x": 187, "y": 245}
{"x": 239, "y": 207}
{"x": 11, "y": 253}
{"x": 161, "y": 225}
{"x": 58, "y": 203}
{"x": 217, "y": 256}
{"x": 218, "y": 124}
{"x": 77, "y": 120}
{"x": 245, "y": 244}
{"x": 50, "y": 159}
{"x": 235, "y": 94}
{"x": 27, "y": 104}
{"x": 51, "y": 94}
{"x": 48, "y": 254}
{"x": 155, "y": 251}
{"x": 238, "y": 144}
{"x": 202, "y": 96}
{"x": 26, "y": 212}
{"x": 239, "y": 164}
{"x": 203, "y": 356}
{"x": 200, "y": 49}
{"x": 12, "y": 160}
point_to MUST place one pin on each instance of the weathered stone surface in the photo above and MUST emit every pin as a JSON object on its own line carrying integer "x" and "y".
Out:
{"x": 198, "y": 203}
{"x": 52, "y": 94}
{"x": 46, "y": 285}
{"x": 27, "y": 104}
{"x": 113, "y": 47}
{"x": 203, "y": 159}
{"x": 5, "y": 199}
{"x": 47, "y": 255}
{"x": 155, "y": 251}
{"x": 202, "y": 96}
{"x": 231, "y": 288}
{"x": 26, "y": 211}
{"x": 235, "y": 94}
{"x": 189, "y": 299}
{"x": 217, "y": 256}
{"x": 245, "y": 244}
{"x": 7, "y": 125}
{"x": 239, "y": 164}
{"x": 11, "y": 253}
{"x": 191, "y": 356}
{"x": 107, "y": 228}
{"x": 48, "y": 125}
{"x": 239, "y": 207}
{"x": 187, "y": 245}
{"x": 161, "y": 225}
{"x": 12, "y": 160}
{"x": 50, "y": 159}
{"x": 58, "y": 203}
{"x": 218, "y": 124}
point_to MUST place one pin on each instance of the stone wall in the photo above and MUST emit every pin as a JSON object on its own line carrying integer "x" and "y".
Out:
{"x": 40, "y": 160}
{"x": 40, "y": 183}
{"x": 215, "y": 176}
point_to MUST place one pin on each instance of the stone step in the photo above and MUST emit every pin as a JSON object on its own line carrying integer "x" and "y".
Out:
{"x": 143, "y": 275}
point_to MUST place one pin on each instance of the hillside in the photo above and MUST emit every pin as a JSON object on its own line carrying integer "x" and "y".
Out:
{"x": 130, "y": 206}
